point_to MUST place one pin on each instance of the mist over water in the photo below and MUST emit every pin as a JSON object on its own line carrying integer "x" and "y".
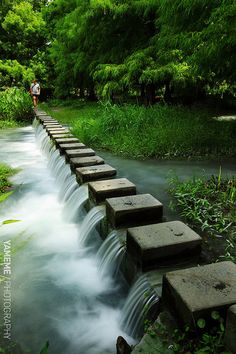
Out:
{"x": 58, "y": 292}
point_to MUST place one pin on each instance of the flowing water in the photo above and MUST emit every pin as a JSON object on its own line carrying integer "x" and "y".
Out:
{"x": 151, "y": 176}
{"x": 58, "y": 291}
{"x": 65, "y": 287}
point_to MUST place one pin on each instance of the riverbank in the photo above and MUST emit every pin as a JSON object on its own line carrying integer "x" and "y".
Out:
{"x": 160, "y": 131}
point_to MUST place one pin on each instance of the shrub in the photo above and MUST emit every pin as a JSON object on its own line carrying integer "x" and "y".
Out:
{"x": 15, "y": 104}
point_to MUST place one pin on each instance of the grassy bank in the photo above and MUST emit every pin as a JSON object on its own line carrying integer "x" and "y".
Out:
{"x": 209, "y": 206}
{"x": 139, "y": 132}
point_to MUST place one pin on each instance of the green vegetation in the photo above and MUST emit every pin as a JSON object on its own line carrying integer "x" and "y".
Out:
{"x": 15, "y": 106}
{"x": 5, "y": 184}
{"x": 200, "y": 340}
{"x": 182, "y": 50}
{"x": 23, "y": 42}
{"x": 158, "y": 131}
{"x": 174, "y": 50}
{"x": 210, "y": 205}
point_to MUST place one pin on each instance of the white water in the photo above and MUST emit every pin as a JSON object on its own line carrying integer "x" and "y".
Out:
{"x": 58, "y": 291}
{"x": 140, "y": 299}
{"x": 110, "y": 254}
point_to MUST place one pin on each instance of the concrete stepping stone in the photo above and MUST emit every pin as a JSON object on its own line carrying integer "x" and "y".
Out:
{"x": 57, "y": 131}
{"x": 77, "y": 162}
{"x": 72, "y": 146}
{"x": 40, "y": 113}
{"x": 65, "y": 140}
{"x": 51, "y": 125}
{"x": 151, "y": 244}
{"x": 194, "y": 293}
{"x": 230, "y": 330}
{"x": 84, "y": 152}
{"x": 60, "y": 135}
{"x": 70, "y": 154}
{"x": 133, "y": 210}
{"x": 45, "y": 117}
{"x": 93, "y": 173}
{"x": 101, "y": 190}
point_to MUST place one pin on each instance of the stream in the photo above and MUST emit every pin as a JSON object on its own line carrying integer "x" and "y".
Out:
{"x": 59, "y": 293}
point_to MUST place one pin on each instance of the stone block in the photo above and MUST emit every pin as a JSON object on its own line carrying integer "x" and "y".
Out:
{"x": 85, "y": 161}
{"x": 70, "y": 154}
{"x": 194, "y": 293}
{"x": 230, "y": 330}
{"x": 93, "y": 173}
{"x": 45, "y": 117}
{"x": 65, "y": 140}
{"x": 61, "y": 135}
{"x": 133, "y": 210}
{"x": 56, "y": 129}
{"x": 49, "y": 123}
{"x": 52, "y": 126}
{"x": 101, "y": 190}
{"x": 72, "y": 146}
{"x": 151, "y": 244}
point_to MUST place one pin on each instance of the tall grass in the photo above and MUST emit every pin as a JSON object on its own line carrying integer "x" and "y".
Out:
{"x": 159, "y": 131}
{"x": 209, "y": 205}
{"x": 15, "y": 105}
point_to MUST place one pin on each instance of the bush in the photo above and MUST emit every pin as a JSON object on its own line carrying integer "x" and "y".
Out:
{"x": 15, "y": 104}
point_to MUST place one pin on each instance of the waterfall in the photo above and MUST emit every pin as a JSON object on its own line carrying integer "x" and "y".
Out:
{"x": 139, "y": 301}
{"x": 110, "y": 254}
{"x": 94, "y": 216}
{"x": 75, "y": 202}
{"x": 70, "y": 185}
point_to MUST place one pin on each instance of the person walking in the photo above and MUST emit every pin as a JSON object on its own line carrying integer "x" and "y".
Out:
{"x": 35, "y": 92}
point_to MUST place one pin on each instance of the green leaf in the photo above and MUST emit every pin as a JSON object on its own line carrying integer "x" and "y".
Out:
{"x": 201, "y": 323}
{"x": 215, "y": 315}
{"x": 9, "y": 221}
{"x": 45, "y": 348}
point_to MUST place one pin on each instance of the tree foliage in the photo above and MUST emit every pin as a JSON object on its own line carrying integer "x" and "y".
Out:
{"x": 23, "y": 42}
{"x": 126, "y": 47}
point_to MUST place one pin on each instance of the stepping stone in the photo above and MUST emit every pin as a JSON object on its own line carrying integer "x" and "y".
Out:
{"x": 78, "y": 153}
{"x": 40, "y": 113}
{"x": 230, "y": 330}
{"x": 151, "y": 244}
{"x": 85, "y": 161}
{"x": 194, "y": 293}
{"x": 133, "y": 210}
{"x": 93, "y": 173}
{"x": 101, "y": 190}
{"x": 60, "y": 135}
{"x": 51, "y": 124}
{"x": 73, "y": 146}
{"x": 45, "y": 117}
{"x": 58, "y": 131}
{"x": 65, "y": 140}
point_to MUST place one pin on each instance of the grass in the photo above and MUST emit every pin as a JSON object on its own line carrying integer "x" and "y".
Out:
{"x": 5, "y": 184}
{"x": 140, "y": 132}
{"x": 9, "y": 123}
{"x": 210, "y": 205}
